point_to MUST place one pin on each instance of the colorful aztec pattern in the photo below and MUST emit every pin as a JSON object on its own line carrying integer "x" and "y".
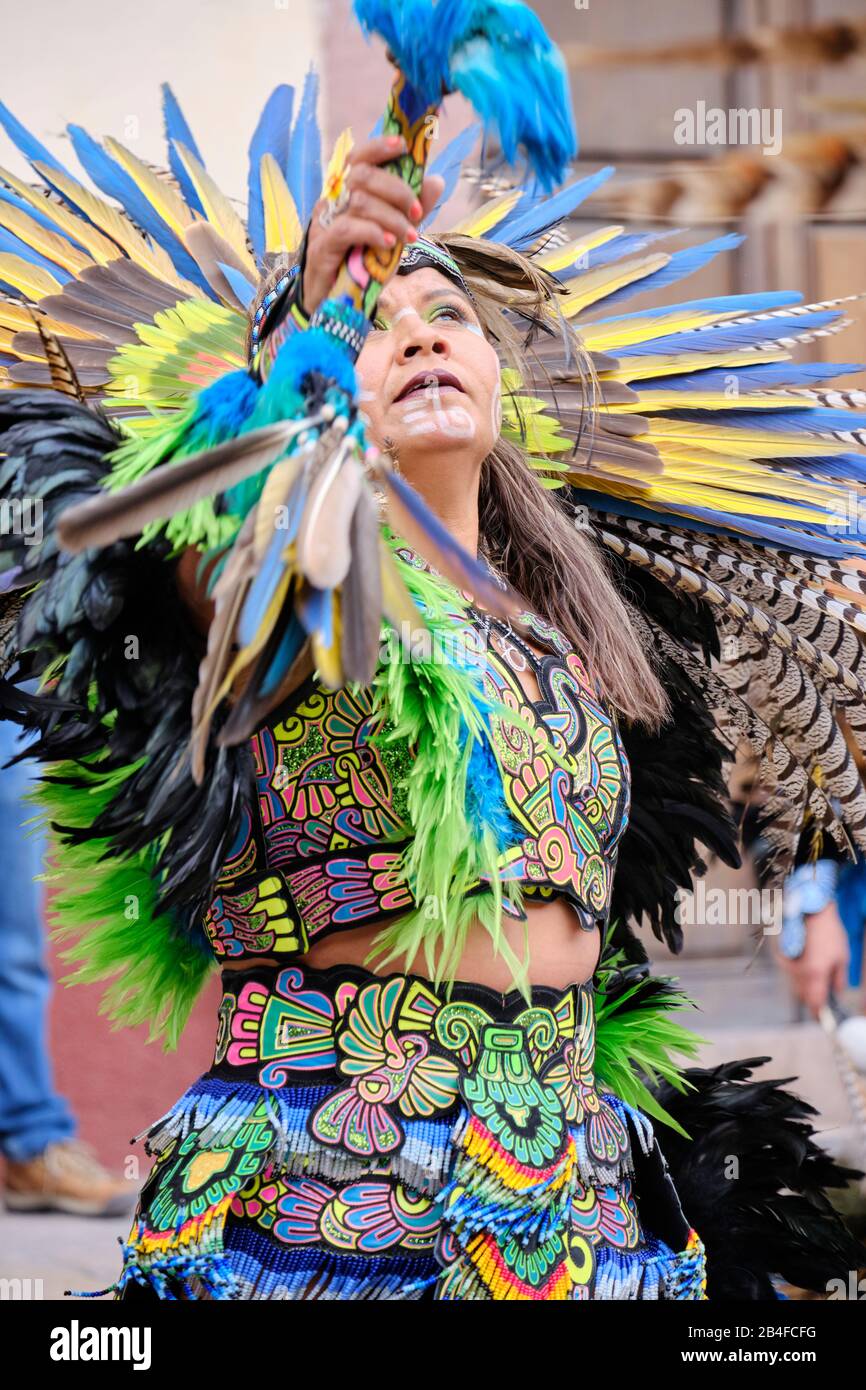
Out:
{"x": 322, "y": 850}
{"x": 364, "y": 1136}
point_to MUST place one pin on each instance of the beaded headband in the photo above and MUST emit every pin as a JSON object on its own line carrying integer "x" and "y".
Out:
{"x": 422, "y": 253}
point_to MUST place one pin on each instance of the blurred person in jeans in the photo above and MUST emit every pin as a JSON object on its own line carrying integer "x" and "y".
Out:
{"x": 47, "y": 1167}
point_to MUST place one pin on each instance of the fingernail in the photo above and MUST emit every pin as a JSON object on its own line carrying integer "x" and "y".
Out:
{"x": 390, "y": 239}
{"x": 412, "y": 234}
{"x": 416, "y": 209}
{"x": 395, "y": 141}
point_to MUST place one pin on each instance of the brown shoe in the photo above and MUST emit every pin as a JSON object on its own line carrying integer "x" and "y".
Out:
{"x": 66, "y": 1176}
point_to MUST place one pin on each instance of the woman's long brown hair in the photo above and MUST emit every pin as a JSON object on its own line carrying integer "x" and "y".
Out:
{"x": 526, "y": 532}
{"x": 561, "y": 572}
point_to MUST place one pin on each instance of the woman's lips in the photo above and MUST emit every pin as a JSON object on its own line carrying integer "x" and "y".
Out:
{"x": 426, "y": 381}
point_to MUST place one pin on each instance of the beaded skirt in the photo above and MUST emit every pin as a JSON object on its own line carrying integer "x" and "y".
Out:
{"x": 360, "y": 1136}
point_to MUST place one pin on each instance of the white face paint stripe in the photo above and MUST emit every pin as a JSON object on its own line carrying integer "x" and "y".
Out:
{"x": 401, "y": 313}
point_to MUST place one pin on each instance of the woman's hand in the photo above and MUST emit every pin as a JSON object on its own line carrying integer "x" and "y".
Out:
{"x": 382, "y": 210}
{"x": 823, "y": 966}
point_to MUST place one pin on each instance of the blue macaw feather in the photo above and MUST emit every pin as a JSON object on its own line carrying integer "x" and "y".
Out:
{"x": 763, "y": 376}
{"x": 295, "y": 509}
{"x": 32, "y": 149}
{"x": 448, "y": 166}
{"x": 290, "y": 645}
{"x": 12, "y": 244}
{"x": 681, "y": 264}
{"x": 304, "y": 165}
{"x": 727, "y": 337}
{"x": 499, "y": 56}
{"x": 761, "y": 303}
{"x": 766, "y": 530}
{"x": 845, "y": 466}
{"x": 262, "y": 589}
{"x": 115, "y": 183}
{"x": 316, "y": 611}
{"x": 521, "y": 230}
{"x": 271, "y": 136}
{"x": 177, "y": 132}
{"x": 806, "y": 419}
{"x": 245, "y": 291}
{"x": 625, "y": 245}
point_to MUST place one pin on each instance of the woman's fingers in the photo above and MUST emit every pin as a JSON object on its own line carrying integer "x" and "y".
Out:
{"x": 382, "y": 184}
{"x": 366, "y": 205}
{"x": 350, "y": 230}
{"x": 378, "y": 150}
{"x": 431, "y": 191}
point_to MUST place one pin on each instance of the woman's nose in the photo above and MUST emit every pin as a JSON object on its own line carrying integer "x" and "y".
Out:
{"x": 419, "y": 337}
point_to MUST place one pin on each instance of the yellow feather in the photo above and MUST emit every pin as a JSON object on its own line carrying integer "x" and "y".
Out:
{"x": 689, "y": 465}
{"x": 218, "y": 210}
{"x": 487, "y": 216}
{"x": 593, "y": 285}
{"x": 632, "y": 369}
{"x": 48, "y": 244}
{"x": 695, "y": 494}
{"x": 31, "y": 280}
{"x": 162, "y": 196}
{"x": 558, "y": 257}
{"x": 709, "y": 400}
{"x": 615, "y": 337}
{"x": 327, "y": 658}
{"x": 101, "y": 249}
{"x": 340, "y": 153}
{"x": 283, "y": 230}
{"x": 120, "y": 229}
{"x": 741, "y": 441}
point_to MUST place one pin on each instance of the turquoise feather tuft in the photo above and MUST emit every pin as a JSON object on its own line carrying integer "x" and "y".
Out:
{"x": 497, "y": 53}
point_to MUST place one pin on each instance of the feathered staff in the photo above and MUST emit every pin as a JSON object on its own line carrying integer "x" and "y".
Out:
{"x": 284, "y": 445}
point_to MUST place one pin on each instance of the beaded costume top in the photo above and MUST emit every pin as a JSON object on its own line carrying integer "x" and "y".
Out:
{"x": 320, "y": 850}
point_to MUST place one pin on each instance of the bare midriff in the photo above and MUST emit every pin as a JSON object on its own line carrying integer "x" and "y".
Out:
{"x": 561, "y": 951}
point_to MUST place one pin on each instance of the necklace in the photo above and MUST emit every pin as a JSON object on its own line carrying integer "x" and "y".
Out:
{"x": 511, "y": 642}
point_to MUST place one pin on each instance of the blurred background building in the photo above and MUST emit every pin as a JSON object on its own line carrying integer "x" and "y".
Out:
{"x": 798, "y": 192}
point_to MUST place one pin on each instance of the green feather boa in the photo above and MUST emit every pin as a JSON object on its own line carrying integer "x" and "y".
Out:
{"x": 109, "y": 904}
{"x": 636, "y": 1039}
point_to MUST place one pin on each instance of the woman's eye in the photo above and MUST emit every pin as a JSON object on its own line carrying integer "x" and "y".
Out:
{"x": 450, "y": 311}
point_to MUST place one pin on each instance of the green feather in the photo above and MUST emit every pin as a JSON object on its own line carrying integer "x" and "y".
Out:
{"x": 636, "y": 1045}
{"x": 109, "y": 906}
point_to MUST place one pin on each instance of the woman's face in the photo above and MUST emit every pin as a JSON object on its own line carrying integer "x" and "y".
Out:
{"x": 429, "y": 378}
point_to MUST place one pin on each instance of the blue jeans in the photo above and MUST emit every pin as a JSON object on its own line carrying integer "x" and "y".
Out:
{"x": 32, "y": 1115}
